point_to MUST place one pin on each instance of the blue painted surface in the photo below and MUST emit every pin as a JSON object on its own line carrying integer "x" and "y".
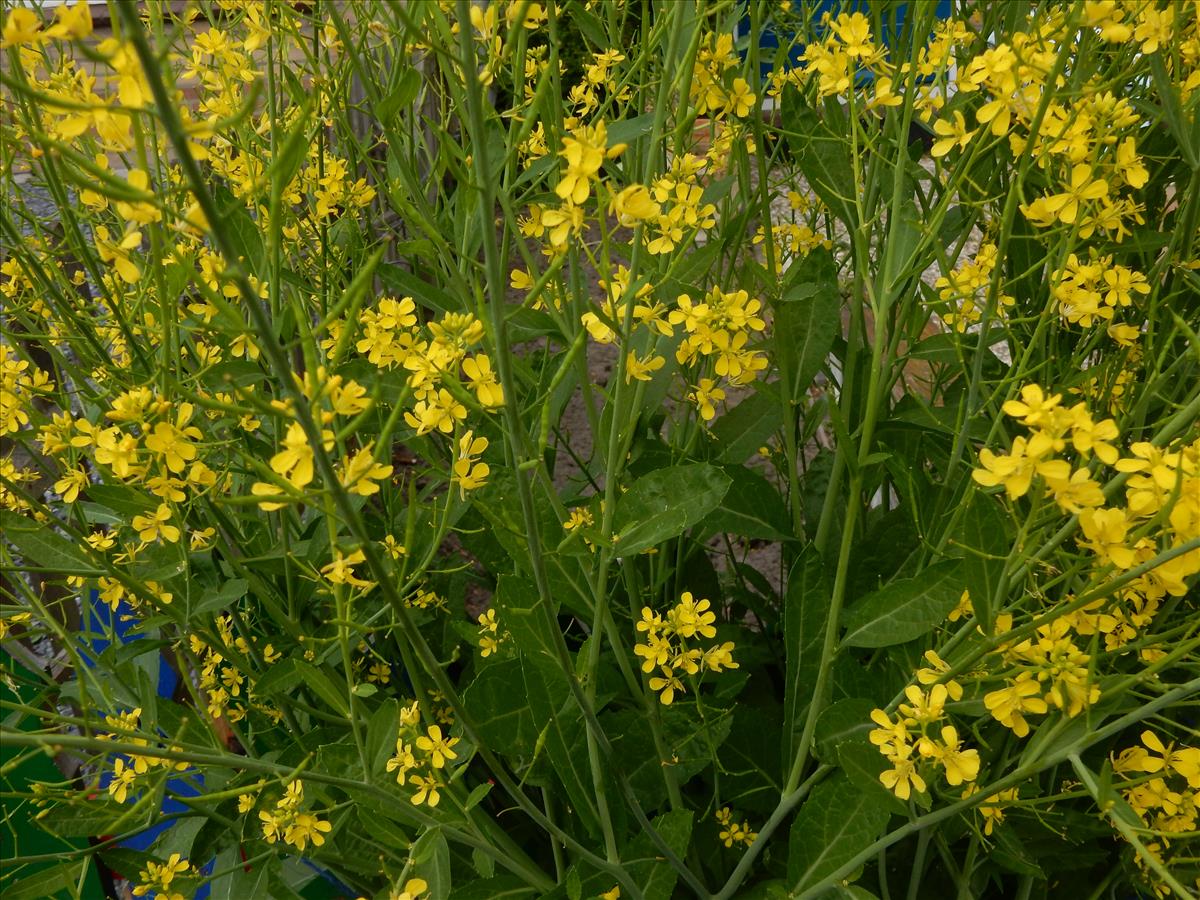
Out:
{"x": 120, "y": 623}
{"x": 769, "y": 39}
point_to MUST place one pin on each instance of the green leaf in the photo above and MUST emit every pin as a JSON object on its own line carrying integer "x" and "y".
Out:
{"x": 806, "y": 604}
{"x": 983, "y": 538}
{"x": 863, "y": 764}
{"x": 820, "y": 153}
{"x": 243, "y": 231}
{"x": 223, "y": 597}
{"x": 282, "y": 676}
{"x": 656, "y": 876}
{"x": 324, "y": 687}
{"x": 294, "y": 149}
{"x": 846, "y": 720}
{"x": 477, "y": 794}
{"x": 557, "y": 717}
{"x": 749, "y": 425}
{"x": 836, "y": 823}
{"x": 502, "y": 887}
{"x": 45, "y": 883}
{"x": 665, "y": 503}
{"x": 99, "y": 817}
{"x": 517, "y": 610}
{"x": 496, "y": 701}
{"x": 237, "y": 883}
{"x": 905, "y": 609}
{"x": 399, "y": 281}
{"x": 627, "y": 130}
{"x": 402, "y": 95}
{"x": 807, "y": 319}
{"x": 41, "y": 547}
{"x": 431, "y": 861}
{"x": 752, "y": 508}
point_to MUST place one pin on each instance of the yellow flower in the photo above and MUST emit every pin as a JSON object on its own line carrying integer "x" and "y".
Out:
{"x": 950, "y": 134}
{"x": 295, "y": 461}
{"x": 960, "y": 765}
{"x": 341, "y": 570}
{"x": 1008, "y": 705}
{"x": 427, "y": 790}
{"x": 122, "y": 780}
{"x": 903, "y": 776}
{"x": 438, "y": 747}
{"x": 706, "y": 395}
{"x": 154, "y": 525}
{"x": 584, "y": 152}
{"x": 468, "y": 473}
{"x": 482, "y": 381}
{"x": 360, "y": 472}
{"x": 414, "y": 887}
{"x": 667, "y": 684}
{"x": 632, "y": 205}
{"x": 172, "y": 441}
{"x": 21, "y": 26}
{"x": 642, "y": 369}
{"x": 1083, "y": 187}
{"x": 1105, "y": 530}
{"x": 306, "y": 827}
{"x": 74, "y": 21}
{"x": 117, "y": 253}
{"x": 71, "y": 483}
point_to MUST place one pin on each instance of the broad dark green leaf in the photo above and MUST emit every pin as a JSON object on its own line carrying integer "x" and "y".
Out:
{"x": 431, "y": 861}
{"x": 806, "y": 606}
{"x": 807, "y": 320}
{"x": 982, "y": 536}
{"x": 835, "y": 824}
{"x": 399, "y": 281}
{"x": 101, "y": 816}
{"x": 557, "y": 716}
{"x": 56, "y": 881}
{"x": 656, "y": 876}
{"x": 282, "y": 676}
{"x": 905, "y": 609}
{"x": 518, "y": 611}
{"x": 238, "y": 883}
{"x": 752, "y": 508}
{"x": 821, "y": 154}
{"x": 502, "y": 887}
{"x": 210, "y": 602}
{"x": 243, "y": 232}
{"x": 746, "y": 427}
{"x": 863, "y": 764}
{"x": 496, "y": 701}
{"x": 41, "y": 547}
{"x": 382, "y": 731}
{"x": 665, "y": 503}
{"x": 845, "y": 720}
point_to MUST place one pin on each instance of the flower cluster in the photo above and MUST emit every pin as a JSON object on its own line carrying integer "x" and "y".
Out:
{"x": 287, "y": 822}
{"x": 672, "y": 646}
{"x": 421, "y": 756}
{"x": 732, "y": 832}
{"x": 221, "y": 682}
{"x": 1162, "y": 486}
{"x": 1161, "y": 783}
{"x": 157, "y": 878}
{"x": 491, "y": 636}
{"x": 126, "y": 768}
{"x": 920, "y": 738}
{"x": 965, "y": 290}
